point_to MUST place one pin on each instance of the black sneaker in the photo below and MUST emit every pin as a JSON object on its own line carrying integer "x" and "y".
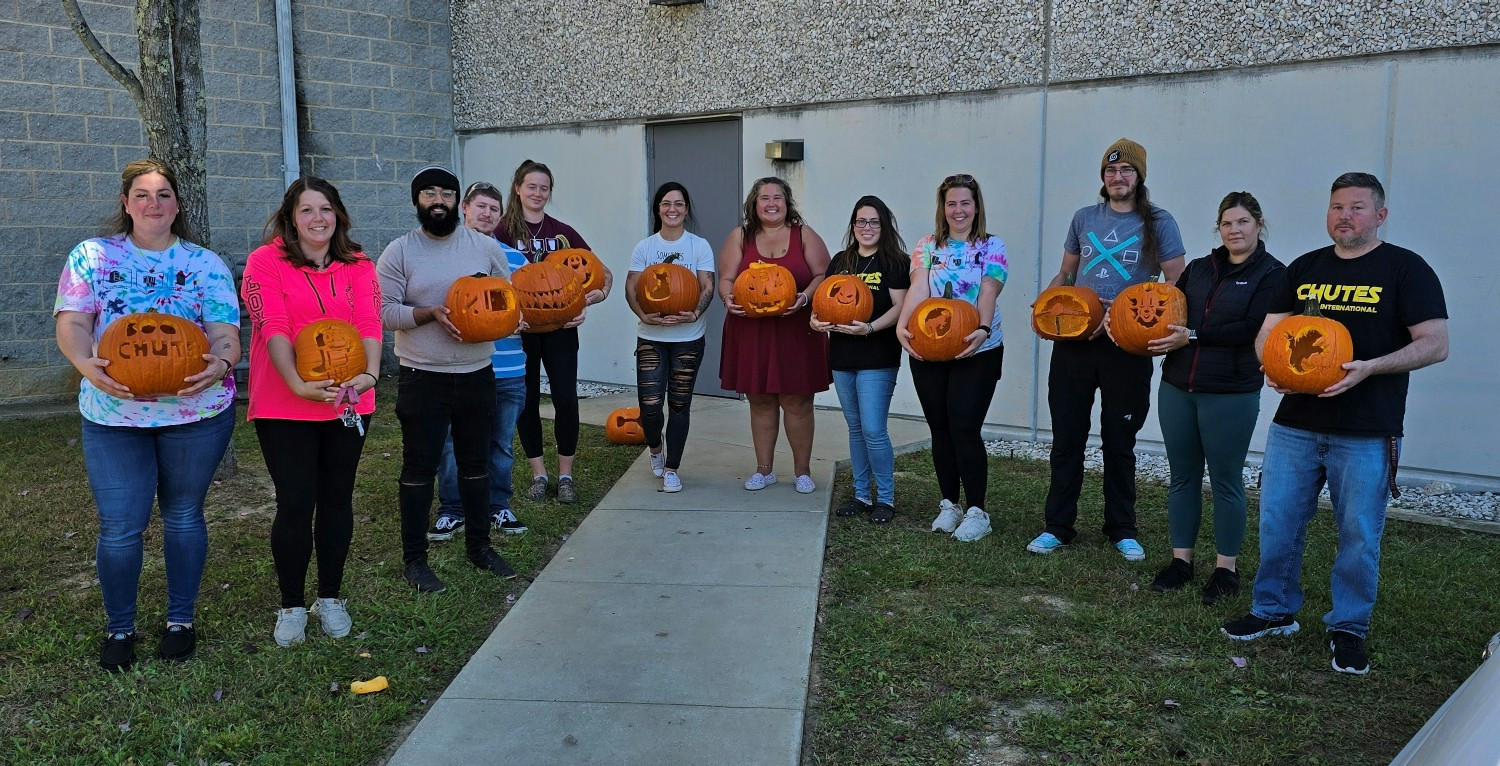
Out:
{"x": 445, "y": 528}
{"x": 1348, "y": 653}
{"x": 118, "y": 652}
{"x": 178, "y": 644}
{"x": 882, "y": 513}
{"x": 1250, "y": 627}
{"x": 421, "y": 577}
{"x": 1223, "y": 582}
{"x": 1173, "y": 576}
{"x": 566, "y": 493}
{"x": 494, "y": 562}
{"x": 854, "y": 507}
{"x": 507, "y": 522}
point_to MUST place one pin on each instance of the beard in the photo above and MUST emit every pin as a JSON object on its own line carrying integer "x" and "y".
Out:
{"x": 437, "y": 225}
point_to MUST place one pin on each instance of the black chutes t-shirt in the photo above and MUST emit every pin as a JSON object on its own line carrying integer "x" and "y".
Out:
{"x": 1377, "y": 296}
{"x": 880, "y": 350}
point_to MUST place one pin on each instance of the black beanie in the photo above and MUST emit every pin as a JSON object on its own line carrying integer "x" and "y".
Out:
{"x": 433, "y": 175}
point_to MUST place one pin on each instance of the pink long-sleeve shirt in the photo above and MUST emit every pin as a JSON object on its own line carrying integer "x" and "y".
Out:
{"x": 281, "y": 300}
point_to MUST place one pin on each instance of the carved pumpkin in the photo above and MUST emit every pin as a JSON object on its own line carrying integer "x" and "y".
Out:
{"x": 938, "y": 327}
{"x": 151, "y": 353}
{"x": 329, "y": 349}
{"x": 843, "y": 299}
{"x": 483, "y": 307}
{"x": 551, "y": 295}
{"x": 1067, "y": 313}
{"x": 623, "y": 426}
{"x": 1143, "y": 312}
{"x": 765, "y": 290}
{"x": 667, "y": 288}
{"x": 584, "y": 263}
{"x": 1306, "y": 353}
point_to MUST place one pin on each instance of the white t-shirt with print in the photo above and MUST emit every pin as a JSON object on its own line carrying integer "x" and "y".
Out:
{"x": 695, "y": 255}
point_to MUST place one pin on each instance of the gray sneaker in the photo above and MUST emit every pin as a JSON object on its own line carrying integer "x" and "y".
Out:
{"x": 291, "y": 626}
{"x": 537, "y": 492}
{"x": 335, "y": 616}
{"x": 565, "y": 491}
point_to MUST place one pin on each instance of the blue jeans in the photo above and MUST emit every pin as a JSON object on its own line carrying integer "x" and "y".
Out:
{"x": 510, "y": 395}
{"x": 865, "y": 396}
{"x": 128, "y": 469}
{"x": 1296, "y": 466}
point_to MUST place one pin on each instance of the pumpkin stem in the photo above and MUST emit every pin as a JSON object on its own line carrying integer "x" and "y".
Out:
{"x": 1312, "y": 307}
{"x": 1069, "y": 279}
{"x": 480, "y": 275}
{"x": 948, "y": 291}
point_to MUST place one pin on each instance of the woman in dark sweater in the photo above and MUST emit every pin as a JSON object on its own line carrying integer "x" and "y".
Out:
{"x": 1209, "y": 398}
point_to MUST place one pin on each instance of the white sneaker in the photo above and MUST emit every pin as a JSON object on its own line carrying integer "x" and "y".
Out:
{"x": 336, "y": 619}
{"x": 948, "y": 517}
{"x": 658, "y": 462}
{"x": 976, "y": 525}
{"x": 670, "y": 482}
{"x": 805, "y": 484}
{"x": 760, "y": 481}
{"x": 291, "y": 626}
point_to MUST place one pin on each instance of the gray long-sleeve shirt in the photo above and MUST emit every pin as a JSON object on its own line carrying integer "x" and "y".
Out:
{"x": 416, "y": 270}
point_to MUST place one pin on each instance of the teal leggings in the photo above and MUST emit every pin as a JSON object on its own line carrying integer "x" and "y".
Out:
{"x": 1215, "y": 428}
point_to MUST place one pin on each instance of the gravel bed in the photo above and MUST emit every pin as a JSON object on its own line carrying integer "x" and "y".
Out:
{"x": 1434, "y": 499}
{"x": 587, "y": 390}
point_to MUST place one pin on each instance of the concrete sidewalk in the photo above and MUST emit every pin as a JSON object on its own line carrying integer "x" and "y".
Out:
{"x": 669, "y": 628}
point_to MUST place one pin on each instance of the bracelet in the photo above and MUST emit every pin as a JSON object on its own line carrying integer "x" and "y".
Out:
{"x": 986, "y": 328}
{"x": 228, "y": 368}
{"x": 372, "y": 377}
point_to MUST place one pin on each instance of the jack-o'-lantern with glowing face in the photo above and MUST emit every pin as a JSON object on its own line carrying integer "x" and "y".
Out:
{"x": 584, "y": 263}
{"x": 551, "y": 295}
{"x": 483, "y": 307}
{"x": 667, "y": 288}
{"x": 843, "y": 299}
{"x": 329, "y": 349}
{"x": 152, "y": 353}
{"x": 623, "y": 426}
{"x": 765, "y": 290}
{"x": 939, "y": 327}
{"x": 1145, "y": 312}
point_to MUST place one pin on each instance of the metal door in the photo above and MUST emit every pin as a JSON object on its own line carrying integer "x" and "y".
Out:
{"x": 704, "y": 156}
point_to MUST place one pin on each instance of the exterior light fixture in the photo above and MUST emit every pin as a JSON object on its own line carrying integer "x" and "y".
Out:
{"x": 785, "y": 150}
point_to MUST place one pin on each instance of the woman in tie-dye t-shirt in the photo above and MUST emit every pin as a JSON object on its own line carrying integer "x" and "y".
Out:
{"x": 955, "y": 395}
{"x": 138, "y": 449}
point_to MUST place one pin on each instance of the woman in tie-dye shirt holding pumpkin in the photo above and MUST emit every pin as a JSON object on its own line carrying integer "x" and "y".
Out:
{"x": 138, "y": 449}
{"x": 955, "y": 395}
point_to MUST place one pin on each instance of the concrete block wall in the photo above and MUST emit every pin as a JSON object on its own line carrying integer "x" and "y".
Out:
{"x": 373, "y": 93}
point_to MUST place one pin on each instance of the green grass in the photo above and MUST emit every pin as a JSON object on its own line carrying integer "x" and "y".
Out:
{"x": 932, "y": 651}
{"x": 242, "y": 699}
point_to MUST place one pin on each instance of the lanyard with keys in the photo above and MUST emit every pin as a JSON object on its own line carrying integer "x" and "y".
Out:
{"x": 344, "y": 404}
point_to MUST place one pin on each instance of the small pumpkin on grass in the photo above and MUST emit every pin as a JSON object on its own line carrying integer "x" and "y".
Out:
{"x": 151, "y": 353}
{"x": 623, "y": 426}
{"x": 765, "y": 290}
{"x": 551, "y": 295}
{"x": 939, "y": 326}
{"x": 667, "y": 288}
{"x": 1067, "y": 312}
{"x": 1143, "y": 313}
{"x": 329, "y": 349}
{"x": 483, "y": 307}
{"x": 1307, "y": 352}
{"x": 843, "y": 299}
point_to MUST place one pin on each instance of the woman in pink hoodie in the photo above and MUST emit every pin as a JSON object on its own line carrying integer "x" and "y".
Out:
{"x": 311, "y": 432}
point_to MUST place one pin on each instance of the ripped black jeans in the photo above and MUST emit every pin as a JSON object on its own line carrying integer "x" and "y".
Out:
{"x": 667, "y": 371}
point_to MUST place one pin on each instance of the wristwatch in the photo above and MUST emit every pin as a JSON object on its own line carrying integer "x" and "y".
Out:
{"x": 1192, "y": 336}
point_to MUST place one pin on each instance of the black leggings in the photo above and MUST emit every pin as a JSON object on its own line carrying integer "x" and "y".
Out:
{"x": 312, "y": 464}
{"x": 955, "y": 397}
{"x": 559, "y": 351}
{"x": 667, "y": 371}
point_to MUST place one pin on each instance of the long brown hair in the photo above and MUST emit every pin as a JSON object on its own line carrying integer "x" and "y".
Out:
{"x": 751, "y": 222}
{"x": 283, "y": 223}
{"x": 960, "y": 181}
{"x": 1150, "y": 241}
{"x": 890, "y": 249}
{"x": 514, "y": 220}
{"x": 120, "y": 222}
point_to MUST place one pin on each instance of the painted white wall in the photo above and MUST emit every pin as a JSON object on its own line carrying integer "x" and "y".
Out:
{"x": 1423, "y": 124}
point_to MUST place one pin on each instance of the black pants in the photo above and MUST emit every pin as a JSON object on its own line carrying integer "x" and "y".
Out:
{"x": 558, "y": 350}
{"x": 955, "y": 397}
{"x": 1123, "y": 381}
{"x": 667, "y": 371}
{"x": 312, "y": 464}
{"x": 429, "y": 404}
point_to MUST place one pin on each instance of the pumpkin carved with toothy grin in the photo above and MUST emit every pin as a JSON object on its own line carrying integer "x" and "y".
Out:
{"x": 551, "y": 295}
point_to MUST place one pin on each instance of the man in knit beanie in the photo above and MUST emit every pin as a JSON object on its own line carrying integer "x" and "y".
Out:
{"x": 1117, "y": 242}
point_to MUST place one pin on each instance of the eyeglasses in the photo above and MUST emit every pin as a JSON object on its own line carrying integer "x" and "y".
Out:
{"x": 1124, "y": 172}
{"x": 867, "y": 223}
{"x": 480, "y": 186}
{"x": 432, "y": 193}
{"x": 674, "y": 204}
{"x": 958, "y": 180}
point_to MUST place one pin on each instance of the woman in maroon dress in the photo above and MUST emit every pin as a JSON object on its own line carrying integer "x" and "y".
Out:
{"x": 779, "y": 363}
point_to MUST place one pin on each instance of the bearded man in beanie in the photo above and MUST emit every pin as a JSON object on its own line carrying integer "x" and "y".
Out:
{"x": 1120, "y": 241}
{"x": 446, "y": 382}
